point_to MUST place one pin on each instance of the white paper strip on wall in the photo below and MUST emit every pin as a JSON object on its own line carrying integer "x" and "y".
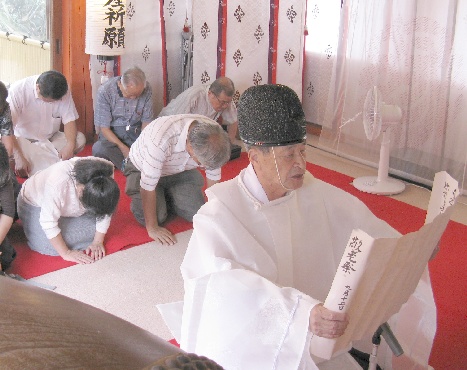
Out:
{"x": 205, "y": 37}
{"x": 175, "y": 13}
{"x": 247, "y": 43}
{"x": 290, "y": 44}
{"x": 143, "y": 45}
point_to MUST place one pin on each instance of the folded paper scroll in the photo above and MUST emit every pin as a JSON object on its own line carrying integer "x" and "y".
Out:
{"x": 377, "y": 276}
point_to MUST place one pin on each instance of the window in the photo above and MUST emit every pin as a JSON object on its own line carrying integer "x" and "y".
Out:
{"x": 24, "y": 38}
{"x": 25, "y": 17}
{"x": 323, "y": 18}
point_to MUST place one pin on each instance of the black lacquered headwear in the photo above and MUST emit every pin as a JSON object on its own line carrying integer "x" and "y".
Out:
{"x": 271, "y": 115}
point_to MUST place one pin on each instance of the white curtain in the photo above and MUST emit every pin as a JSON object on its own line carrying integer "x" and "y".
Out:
{"x": 413, "y": 52}
{"x": 251, "y": 42}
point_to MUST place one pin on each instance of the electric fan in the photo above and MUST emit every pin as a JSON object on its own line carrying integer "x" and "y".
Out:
{"x": 378, "y": 117}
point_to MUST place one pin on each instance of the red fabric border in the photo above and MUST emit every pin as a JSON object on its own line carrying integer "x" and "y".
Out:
{"x": 164, "y": 53}
{"x": 221, "y": 38}
{"x": 273, "y": 33}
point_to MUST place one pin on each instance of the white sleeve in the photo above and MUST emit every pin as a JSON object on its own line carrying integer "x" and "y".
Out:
{"x": 266, "y": 325}
{"x": 229, "y": 115}
{"x": 214, "y": 175}
{"x": 51, "y": 211}
{"x": 16, "y": 105}
{"x": 103, "y": 225}
{"x": 232, "y": 313}
{"x": 68, "y": 109}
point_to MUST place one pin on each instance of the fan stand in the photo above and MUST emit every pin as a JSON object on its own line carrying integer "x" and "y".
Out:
{"x": 382, "y": 184}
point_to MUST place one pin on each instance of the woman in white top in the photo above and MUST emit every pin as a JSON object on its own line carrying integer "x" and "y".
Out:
{"x": 66, "y": 208}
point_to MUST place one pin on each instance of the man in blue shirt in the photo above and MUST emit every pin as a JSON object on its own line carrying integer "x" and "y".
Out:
{"x": 124, "y": 107}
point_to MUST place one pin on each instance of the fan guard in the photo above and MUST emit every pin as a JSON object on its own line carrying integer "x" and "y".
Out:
{"x": 378, "y": 117}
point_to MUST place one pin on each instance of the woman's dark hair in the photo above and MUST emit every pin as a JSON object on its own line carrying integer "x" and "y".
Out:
{"x": 52, "y": 85}
{"x": 5, "y": 173}
{"x": 101, "y": 193}
{"x": 3, "y": 96}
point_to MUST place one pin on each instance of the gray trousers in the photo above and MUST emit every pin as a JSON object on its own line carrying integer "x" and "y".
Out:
{"x": 181, "y": 193}
{"x": 77, "y": 232}
{"x": 105, "y": 149}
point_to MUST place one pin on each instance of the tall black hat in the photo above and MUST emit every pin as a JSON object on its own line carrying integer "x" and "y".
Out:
{"x": 271, "y": 115}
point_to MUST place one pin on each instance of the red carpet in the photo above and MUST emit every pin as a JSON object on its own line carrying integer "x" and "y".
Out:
{"x": 447, "y": 271}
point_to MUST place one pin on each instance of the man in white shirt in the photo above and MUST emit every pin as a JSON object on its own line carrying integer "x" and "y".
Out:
{"x": 162, "y": 169}
{"x": 213, "y": 101}
{"x": 266, "y": 246}
{"x": 39, "y": 105}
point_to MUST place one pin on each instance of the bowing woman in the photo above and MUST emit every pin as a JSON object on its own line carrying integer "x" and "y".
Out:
{"x": 66, "y": 208}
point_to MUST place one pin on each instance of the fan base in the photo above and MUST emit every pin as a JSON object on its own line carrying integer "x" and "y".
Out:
{"x": 370, "y": 184}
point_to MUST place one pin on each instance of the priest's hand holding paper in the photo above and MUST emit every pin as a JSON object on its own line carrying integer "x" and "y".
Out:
{"x": 326, "y": 323}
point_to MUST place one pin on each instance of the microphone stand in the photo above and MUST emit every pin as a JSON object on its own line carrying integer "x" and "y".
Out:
{"x": 385, "y": 331}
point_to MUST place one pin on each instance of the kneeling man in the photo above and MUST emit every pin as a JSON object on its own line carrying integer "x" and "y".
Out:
{"x": 162, "y": 169}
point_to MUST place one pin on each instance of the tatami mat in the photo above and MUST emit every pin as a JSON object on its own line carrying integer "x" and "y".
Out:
{"x": 129, "y": 283}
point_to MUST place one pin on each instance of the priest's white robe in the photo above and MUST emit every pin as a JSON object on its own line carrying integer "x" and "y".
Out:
{"x": 254, "y": 271}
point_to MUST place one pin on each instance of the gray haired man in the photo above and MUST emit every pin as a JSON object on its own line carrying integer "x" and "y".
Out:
{"x": 213, "y": 101}
{"x": 123, "y": 109}
{"x": 162, "y": 169}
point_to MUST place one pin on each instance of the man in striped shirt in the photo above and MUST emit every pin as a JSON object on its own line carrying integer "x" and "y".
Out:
{"x": 162, "y": 169}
